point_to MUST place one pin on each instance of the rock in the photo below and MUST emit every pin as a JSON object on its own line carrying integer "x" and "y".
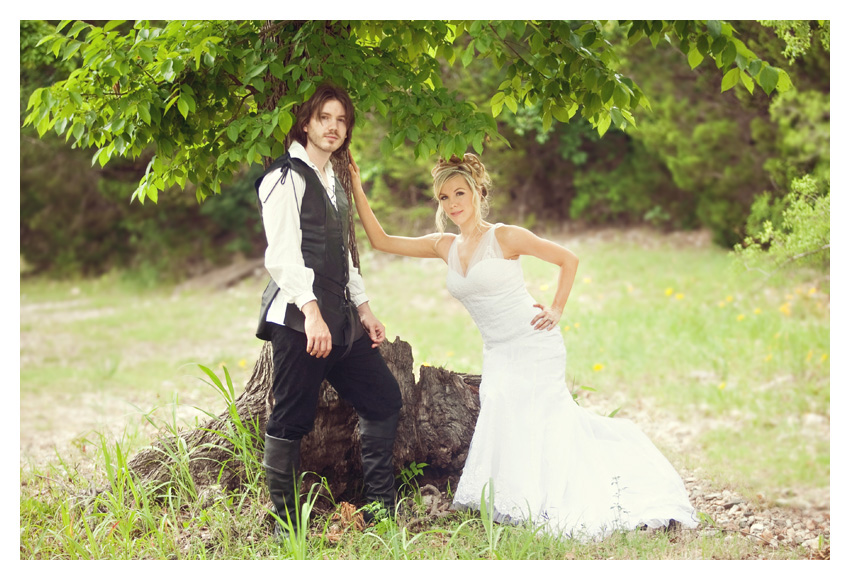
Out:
{"x": 812, "y": 544}
{"x": 812, "y": 419}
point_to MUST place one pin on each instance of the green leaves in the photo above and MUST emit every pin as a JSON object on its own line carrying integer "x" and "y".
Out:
{"x": 695, "y": 57}
{"x": 511, "y": 103}
{"x": 622, "y": 96}
{"x": 468, "y": 54}
{"x": 730, "y": 79}
{"x": 561, "y": 68}
{"x": 608, "y": 91}
{"x": 210, "y": 96}
{"x": 738, "y": 63}
{"x": 496, "y": 103}
{"x": 768, "y": 79}
{"x": 714, "y": 27}
{"x": 186, "y": 103}
{"x": 729, "y": 54}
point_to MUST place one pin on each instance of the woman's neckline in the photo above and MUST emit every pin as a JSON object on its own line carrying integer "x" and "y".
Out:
{"x": 465, "y": 269}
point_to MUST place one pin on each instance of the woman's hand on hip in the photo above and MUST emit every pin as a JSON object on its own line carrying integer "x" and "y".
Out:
{"x": 547, "y": 318}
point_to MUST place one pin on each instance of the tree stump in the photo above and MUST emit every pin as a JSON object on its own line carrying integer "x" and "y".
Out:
{"x": 435, "y": 427}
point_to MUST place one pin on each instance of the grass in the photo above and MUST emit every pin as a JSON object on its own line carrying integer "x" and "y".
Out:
{"x": 62, "y": 519}
{"x": 653, "y": 326}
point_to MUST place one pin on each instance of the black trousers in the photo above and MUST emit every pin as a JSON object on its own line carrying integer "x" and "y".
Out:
{"x": 361, "y": 378}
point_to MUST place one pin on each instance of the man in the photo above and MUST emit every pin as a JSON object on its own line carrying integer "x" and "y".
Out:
{"x": 315, "y": 310}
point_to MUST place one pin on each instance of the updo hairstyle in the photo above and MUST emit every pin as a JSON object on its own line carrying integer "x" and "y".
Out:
{"x": 476, "y": 176}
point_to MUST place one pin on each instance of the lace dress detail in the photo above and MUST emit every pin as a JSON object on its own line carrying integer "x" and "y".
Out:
{"x": 538, "y": 454}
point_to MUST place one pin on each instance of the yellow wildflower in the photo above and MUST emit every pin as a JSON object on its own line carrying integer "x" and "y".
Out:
{"x": 242, "y": 363}
{"x": 757, "y": 311}
{"x": 741, "y": 317}
{"x": 679, "y": 296}
{"x": 544, "y": 287}
{"x": 729, "y": 299}
{"x": 598, "y": 367}
{"x": 785, "y": 309}
{"x": 450, "y": 353}
{"x": 576, "y": 325}
{"x": 823, "y": 357}
{"x": 768, "y": 357}
{"x": 586, "y": 280}
{"x": 566, "y": 327}
{"x": 812, "y": 290}
{"x": 721, "y": 386}
{"x": 668, "y": 292}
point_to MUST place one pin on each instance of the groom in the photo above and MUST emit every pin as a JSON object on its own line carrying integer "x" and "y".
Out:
{"x": 315, "y": 310}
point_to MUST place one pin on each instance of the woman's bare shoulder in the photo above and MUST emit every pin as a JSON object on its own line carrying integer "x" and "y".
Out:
{"x": 507, "y": 233}
{"x": 443, "y": 241}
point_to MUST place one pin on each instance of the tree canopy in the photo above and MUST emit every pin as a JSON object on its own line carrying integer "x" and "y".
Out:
{"x": 210, "y": 96}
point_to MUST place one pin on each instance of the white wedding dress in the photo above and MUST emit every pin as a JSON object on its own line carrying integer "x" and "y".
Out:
{"x": 544, "y": 458}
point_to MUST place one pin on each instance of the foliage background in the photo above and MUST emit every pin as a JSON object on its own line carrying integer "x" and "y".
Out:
{"x": 700, "y": 158}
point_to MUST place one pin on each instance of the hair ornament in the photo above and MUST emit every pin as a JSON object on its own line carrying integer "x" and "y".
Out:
{"x": 470, "y": 164}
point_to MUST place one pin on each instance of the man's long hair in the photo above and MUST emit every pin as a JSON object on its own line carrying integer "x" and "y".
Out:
{"x": 324, "y": 93}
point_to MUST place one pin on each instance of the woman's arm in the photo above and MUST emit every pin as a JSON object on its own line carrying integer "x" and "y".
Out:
{"x": 431, "y": 246}
{"x": 515, "y": 242}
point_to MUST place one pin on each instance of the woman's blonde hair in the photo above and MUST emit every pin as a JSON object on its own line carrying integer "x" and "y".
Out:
{"x": 476, "y": 176}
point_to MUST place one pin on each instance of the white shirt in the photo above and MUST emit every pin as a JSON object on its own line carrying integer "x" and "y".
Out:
{"x": 282, "y": 222}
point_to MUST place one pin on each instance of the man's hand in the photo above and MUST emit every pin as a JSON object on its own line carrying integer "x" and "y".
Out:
{"x": 373, "y": 326}
{"x": 319, "y": 343}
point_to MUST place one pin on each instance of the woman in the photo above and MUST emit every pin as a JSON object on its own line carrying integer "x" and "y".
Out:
{"x": 539, "y": 455}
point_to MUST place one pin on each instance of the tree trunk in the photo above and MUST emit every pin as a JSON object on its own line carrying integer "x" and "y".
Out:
{"x": 435, "y": 427}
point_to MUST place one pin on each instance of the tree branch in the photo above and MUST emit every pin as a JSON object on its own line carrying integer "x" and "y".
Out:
{"x": 237, "y": 82}
{"x": 771, "y": 273}
{"x": 804, "y": 254}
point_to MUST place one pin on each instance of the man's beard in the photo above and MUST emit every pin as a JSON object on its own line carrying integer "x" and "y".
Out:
{"x": 326, "y": 148}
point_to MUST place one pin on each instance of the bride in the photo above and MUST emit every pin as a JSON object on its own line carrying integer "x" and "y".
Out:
{"x": 535, "y": 452}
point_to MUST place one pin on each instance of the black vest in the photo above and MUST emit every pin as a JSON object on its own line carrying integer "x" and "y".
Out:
{"x": 324, "y": 246}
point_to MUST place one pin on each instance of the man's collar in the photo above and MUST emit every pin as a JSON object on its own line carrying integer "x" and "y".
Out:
{"x": 298, "y": 151}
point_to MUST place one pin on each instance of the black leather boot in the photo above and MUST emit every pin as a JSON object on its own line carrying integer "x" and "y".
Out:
{"x": 376, "y": 441}
{"x": 282, "y": 460}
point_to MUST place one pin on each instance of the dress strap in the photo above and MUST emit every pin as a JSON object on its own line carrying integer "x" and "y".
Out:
{"x": 494, "y": 250}
{"x": 453, "y": 259}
